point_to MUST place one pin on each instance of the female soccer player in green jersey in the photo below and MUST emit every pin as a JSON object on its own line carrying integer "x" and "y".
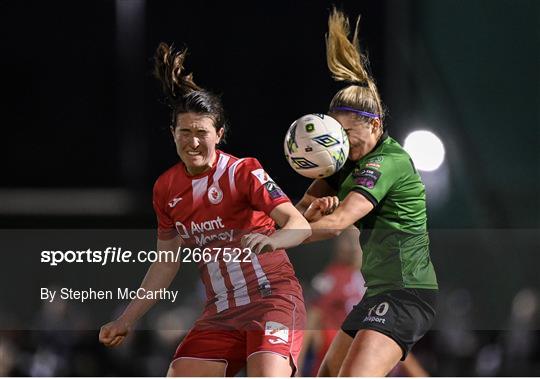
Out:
{"x": 379, "y": 191}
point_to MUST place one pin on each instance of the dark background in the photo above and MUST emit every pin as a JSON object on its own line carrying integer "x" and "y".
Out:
{"x": 85, "y": 134}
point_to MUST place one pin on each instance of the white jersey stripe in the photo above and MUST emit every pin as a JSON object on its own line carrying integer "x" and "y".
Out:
{"x": 238, "y": 281}
{"x": 232, "y": 182}
{"x": 218, "y": 285}
{"x": 199, "y": 189}
{"x": 221, "y": 167}
{"x": 261, "y": 276}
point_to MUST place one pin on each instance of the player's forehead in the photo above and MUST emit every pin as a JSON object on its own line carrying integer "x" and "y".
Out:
{"x": 348, "y": 120}
{"x": 342, "y": 116}
{"x": 194, "y": 121}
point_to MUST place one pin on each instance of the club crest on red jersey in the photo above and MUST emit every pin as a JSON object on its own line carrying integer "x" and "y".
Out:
{"x": 215, "y": 194}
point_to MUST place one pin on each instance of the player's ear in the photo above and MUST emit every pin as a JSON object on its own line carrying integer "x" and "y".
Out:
{"x": 172, "y": 130}
{"x": 220, "y": 134}
{"x": 377, "y": 124}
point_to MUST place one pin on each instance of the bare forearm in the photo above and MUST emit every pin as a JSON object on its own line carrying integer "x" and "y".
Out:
{"x": 303, "y": 205}
{"x": 325, "y": 228}
{"x": 354, "y": 207}
{"x": 159, "y": 276}
{"x": 294, "y": 229}
{"x": 292, "y": 234}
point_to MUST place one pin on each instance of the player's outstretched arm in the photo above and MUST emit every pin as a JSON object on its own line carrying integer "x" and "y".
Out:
{"x": 158, "y": 276}
{"x": 294, "y": 230}
{"x": 353, "y": 208}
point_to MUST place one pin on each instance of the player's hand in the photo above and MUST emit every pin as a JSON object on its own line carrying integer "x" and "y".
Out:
{"x": 321, "y": 207}
{"x": 258, "y": 243}
{"x": 113, "y": 333}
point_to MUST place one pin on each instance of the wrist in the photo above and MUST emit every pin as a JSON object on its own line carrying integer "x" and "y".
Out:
{"x": 274, "y": 244}
{"x": 126, "y": 320}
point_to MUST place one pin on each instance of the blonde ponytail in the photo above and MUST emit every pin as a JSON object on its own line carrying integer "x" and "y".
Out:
{"x": 347, "y": 64}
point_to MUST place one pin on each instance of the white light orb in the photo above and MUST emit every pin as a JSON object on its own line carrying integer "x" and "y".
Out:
{"x": 425, "y": 149}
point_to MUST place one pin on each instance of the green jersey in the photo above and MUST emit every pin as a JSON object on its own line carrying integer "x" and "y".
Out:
{"x": 394, "y": 236}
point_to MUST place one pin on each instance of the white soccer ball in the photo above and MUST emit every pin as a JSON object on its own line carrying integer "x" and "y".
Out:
{"x": 316, "y": 146}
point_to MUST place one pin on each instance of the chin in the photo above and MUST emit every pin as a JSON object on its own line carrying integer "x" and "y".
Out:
{"x": 356, "y": 153}
{"x": 354, "y": 156}
{"x": 198, "y": 163}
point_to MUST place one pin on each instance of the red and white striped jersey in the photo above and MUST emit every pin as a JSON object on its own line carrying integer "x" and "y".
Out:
{"x": 213, "y": 211}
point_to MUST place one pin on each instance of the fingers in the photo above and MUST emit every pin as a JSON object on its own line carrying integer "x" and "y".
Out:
{"x": 105, "y": 335}
{"x": 261, "y": 246}
{"x": 253, "y": 241}
{"x": 333, "y": 203}
{"x": 247, "y": 240}
{"x": 313, "y": 213}
{"x": 116, "y": 341}
{"x": 110, "y": 335}
{"x": 327, "y": 204}
{"x": 256, "y": 242}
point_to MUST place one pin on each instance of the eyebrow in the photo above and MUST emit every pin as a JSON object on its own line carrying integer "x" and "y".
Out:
{"x": 195, "y": 129}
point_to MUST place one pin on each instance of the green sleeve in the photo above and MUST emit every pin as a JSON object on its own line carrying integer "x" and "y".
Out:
{"x": 375, "y": 176}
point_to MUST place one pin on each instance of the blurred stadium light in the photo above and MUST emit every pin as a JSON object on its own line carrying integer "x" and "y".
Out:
{"x": 426, "y": 150}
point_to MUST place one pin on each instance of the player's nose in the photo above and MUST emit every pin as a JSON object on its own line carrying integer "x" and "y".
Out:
{"x": 193, "y": 142}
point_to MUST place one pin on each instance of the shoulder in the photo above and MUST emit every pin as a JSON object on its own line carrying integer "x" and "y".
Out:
{"x": 390, "y": 153}
{"x": 163, "y": 182}
{"x": 394, "y": 150}
{"x": 248, "y": 162}
{"x": 248, "y": 174}
{"x": 240, "y": 170}
{"x": 230, "y": 161}
{"x": 246, "y": 165}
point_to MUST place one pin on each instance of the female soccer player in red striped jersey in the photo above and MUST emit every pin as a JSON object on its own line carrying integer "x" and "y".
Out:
{"x": 254, "y": 315}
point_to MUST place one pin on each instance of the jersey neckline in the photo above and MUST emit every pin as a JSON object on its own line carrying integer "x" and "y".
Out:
{"x": 381, "y": 140}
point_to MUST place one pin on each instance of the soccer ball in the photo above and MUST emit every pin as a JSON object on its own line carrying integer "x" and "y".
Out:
{"x": 316, "y": 146}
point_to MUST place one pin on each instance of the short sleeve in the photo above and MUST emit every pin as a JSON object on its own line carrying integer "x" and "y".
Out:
{"x": 375, "y": 177}
{"x": 258, "y": 188}
{"x": 166, "y": 229}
